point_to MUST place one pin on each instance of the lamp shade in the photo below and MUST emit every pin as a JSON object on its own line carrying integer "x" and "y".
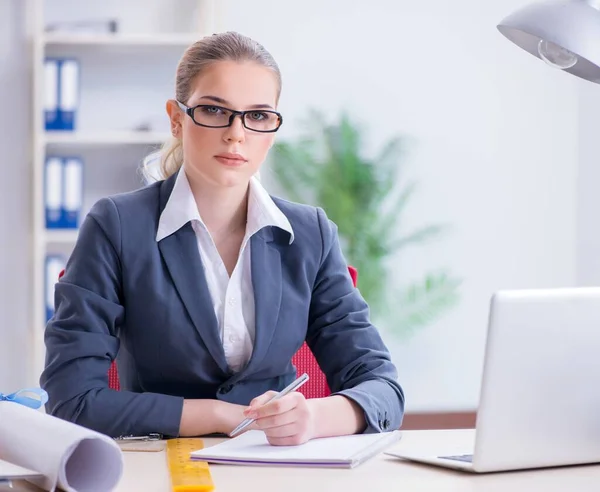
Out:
{"x": 572, "y": 25}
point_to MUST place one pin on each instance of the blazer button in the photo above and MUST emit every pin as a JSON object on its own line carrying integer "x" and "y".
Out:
{"x": 386, "y": 424}
{"x": 225, "y": 389}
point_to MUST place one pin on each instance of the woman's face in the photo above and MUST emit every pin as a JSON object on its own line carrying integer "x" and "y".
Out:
{"x": 226, "y": 157}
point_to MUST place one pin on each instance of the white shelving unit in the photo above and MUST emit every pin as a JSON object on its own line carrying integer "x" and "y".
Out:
{"x": 104, "y": 138}
{"x": 125, "y": 79}
{"x": 161, "y": 40}
{"x": 59, "y": 237}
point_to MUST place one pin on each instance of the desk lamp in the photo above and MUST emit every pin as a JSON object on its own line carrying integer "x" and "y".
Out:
{"x": 563, "y": 33}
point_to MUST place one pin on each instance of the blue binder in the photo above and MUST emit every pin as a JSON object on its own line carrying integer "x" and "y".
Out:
{"x": 61, "y": 93}
{"x": 68, "y": 100}
{"x": 54, "y": 264}
{"x": 72, "y": 192}
{"x": 51, "y": 119}
{"x": 53, "y": 192}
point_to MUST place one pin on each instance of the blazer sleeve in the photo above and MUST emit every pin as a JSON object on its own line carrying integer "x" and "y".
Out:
{"x": 81, "y": 340}
{"x": 347, "y": 346}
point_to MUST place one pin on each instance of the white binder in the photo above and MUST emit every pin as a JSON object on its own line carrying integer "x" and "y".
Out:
{"x": 69, "y": 93}
{"x": 72, "y": 192}
{"x": 53, "y": 186}
{"x": 51, "y": 117}
{"x": 54, "y": 265}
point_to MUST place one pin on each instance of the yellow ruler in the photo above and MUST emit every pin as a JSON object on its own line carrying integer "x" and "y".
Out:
{"x": 187, "y": 475}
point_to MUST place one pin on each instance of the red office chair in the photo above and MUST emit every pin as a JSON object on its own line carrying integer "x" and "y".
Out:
{"x": 304, "y": 360}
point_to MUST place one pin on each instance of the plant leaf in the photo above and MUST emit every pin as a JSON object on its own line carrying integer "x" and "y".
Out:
{"x": 418, "y": 237}
{"x": 363, "y": 197}
{"x": 424, "y": 301}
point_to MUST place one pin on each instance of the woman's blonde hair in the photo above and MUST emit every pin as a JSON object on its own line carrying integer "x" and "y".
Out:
{"x": 228, "y": 46}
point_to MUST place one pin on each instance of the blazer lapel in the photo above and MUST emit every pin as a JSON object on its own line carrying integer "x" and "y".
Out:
{"x": 266, "y": 282}
{"x": 180, "y": 252}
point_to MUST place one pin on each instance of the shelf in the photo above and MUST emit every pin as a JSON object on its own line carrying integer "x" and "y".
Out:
{"x": 129, "y": 68}
{"x": 105, "y": 138}
{"x": 125, "y": 40}
{"x": 60, "y": 236}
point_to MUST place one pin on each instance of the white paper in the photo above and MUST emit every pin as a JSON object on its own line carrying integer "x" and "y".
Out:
{"x": 252, "y": 448}
{"x": 10, "y": 471}
{"x": 67, "y": 455}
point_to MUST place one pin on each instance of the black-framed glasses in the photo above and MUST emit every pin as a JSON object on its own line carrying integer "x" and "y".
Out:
{"x": 211, "y": 116}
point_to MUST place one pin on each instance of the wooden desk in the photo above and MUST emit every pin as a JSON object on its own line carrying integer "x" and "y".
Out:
{"x": 147, "y": 472}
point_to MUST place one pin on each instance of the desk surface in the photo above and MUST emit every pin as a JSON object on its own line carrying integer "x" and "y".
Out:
{"x": 148, "y": 472}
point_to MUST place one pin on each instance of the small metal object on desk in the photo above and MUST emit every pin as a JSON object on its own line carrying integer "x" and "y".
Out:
{"x": 151, "y": 443}
{"x": 153, "y": 436}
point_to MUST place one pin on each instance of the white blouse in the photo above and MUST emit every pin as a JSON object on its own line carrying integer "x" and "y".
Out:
{"x": 233, "y": 298}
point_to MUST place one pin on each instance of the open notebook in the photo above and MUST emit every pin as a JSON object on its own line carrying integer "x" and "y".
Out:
{"x": 252, "y": 448}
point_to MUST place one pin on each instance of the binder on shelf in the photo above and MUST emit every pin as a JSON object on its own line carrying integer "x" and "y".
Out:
{"x": 54, "y": 265}
{"x": 53, "y": 192}
{"x": 51, "y": 119}
{"x": 72, "y": 196}
{"x": 69, "y": 93}
{"x": 61, "y": 93}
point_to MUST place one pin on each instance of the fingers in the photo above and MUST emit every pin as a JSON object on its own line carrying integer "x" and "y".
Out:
{"x": 292, "y": 429}
{"x": 274, "y": 407}
{"x": 276, "y": 421}
{"x": 288, "y": 428}
{"x": 262, "y": 399}
{"x": 285, "y": 422}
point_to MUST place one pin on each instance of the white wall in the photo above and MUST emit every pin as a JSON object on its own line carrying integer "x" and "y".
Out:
{"x": 495, "y": 150}
{"x": 15, "y": 210}
{"x": 588, "y": 197}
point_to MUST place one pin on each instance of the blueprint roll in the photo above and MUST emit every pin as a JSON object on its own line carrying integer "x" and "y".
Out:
{"x": 57, "y": 453}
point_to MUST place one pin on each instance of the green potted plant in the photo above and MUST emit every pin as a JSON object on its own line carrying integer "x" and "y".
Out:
{"x": 326, "y": 167}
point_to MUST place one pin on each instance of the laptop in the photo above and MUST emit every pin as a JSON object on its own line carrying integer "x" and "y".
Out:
{"x": 540, "y": 393}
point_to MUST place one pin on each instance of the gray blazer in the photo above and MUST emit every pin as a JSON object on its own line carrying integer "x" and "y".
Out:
{"x": 147, "y": 304}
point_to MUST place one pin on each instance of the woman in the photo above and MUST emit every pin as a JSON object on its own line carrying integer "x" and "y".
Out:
{"x": 203, "y": 287}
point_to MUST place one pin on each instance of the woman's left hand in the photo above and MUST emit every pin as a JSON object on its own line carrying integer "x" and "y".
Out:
{"x": 288, "y": 421}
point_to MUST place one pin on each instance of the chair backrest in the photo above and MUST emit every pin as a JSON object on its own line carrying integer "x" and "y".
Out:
{"x": 304, "y": 360}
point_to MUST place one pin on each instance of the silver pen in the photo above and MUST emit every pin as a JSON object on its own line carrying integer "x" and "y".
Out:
{"x": 288, "y": 389}
{"x": 153, "y": 436}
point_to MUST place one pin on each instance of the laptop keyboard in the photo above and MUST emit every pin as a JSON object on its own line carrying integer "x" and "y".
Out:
{"x": 461, "y": 457}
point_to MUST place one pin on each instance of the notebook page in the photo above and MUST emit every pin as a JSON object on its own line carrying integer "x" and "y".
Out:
{"x": 252, "y": 447}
